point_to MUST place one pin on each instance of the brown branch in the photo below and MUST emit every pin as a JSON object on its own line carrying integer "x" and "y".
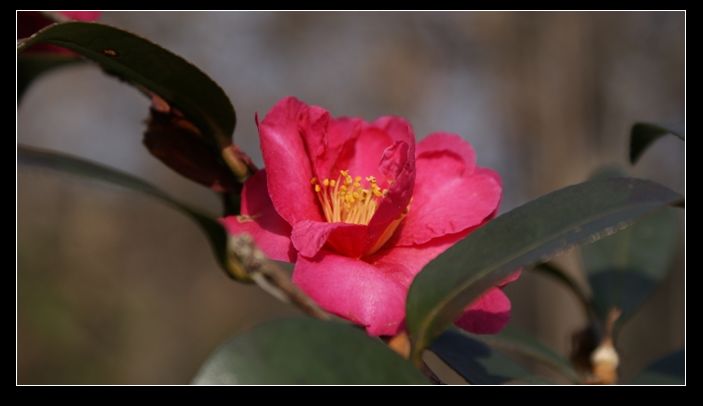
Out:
{"x": 269, "y": 276}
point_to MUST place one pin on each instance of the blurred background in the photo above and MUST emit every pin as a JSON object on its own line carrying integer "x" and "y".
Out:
{"x": 115, "y": 287}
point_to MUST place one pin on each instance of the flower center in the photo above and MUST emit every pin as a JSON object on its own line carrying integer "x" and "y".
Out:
{"x": 345, "y": 200}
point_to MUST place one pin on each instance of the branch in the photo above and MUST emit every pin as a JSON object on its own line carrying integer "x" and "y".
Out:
{"x": 242, "y": 253}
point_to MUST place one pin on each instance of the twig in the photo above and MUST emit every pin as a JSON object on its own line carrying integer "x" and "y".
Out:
{"x": 269, "y": 276}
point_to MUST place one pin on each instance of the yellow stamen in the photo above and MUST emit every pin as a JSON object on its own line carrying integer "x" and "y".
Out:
{"x": 346, "y": 200}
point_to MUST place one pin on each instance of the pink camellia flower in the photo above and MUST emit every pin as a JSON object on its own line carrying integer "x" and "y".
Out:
{"x": 360, "y": 210}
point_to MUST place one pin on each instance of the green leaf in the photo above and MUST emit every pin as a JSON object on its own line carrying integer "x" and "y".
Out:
{"x": 476, "y": 362}
{"x": 624, "y": 269}
{"x": 215, "y": 233}
{"x": 519, "y": 342}
{"x": 149, "y": 66}
{"x": 668, "y": 370}
{"x": 31, "y": 66}
{"x": 558, "y": 274}
{"x": 306, "y": 351}
{"x": 643, "y": 135}
{"x": 527, "y": 234}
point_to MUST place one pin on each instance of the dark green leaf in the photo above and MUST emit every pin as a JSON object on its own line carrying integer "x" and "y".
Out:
{"x": 77, "y": 166}
{"x": 668, "y": 370}
{"x": 147, "y": 66}
{"x": 476, "y": 362}
{"x": 31, "y": 66}
{"x": 643, "y": 135}
{"x": 530, "y": 233}
{"x": 558, "y": 274}
{"x": 623, "y": 269}
{"x": 306, "y": 351}
{"x": 513, "y": 340}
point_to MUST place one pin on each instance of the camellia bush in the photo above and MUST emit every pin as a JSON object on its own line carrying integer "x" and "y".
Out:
{"x": 397, "y": 247}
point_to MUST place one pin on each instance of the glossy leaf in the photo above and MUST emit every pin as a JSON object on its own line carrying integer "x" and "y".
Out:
{"x": 643, "y": 135}
{"x": 668, "y": 370}
{"x": 478, "y": 363}
{"x": 530, "y": 233}
{"x": 148, "y": 66}
{"x": 31, "y": 66}
{"x": 65, "y": 163}
{"x": 625, "y": 268}
{"x": 306, "y": 351}
{"x": 519, "y": 342}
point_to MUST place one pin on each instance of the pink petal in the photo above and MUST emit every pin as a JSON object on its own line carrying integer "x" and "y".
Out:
{"x": 383, "y": 149}
{"x": 260, "y": 220}
{"x": 447, "y": 143}
{"x": 446, "y": 202}
{"x": 399, "y": 165}
{"x": 413, "y": 259}
{"x": 309, "y": 237}
{"x": 354, "y": 290}
{"x": 361, "y": 155}
{"x": 396, "y": 127}
{"x": 287, "y": 162}
{"x": 488, "y": 314}
{"x": 364, "y": 150}
{"x": 81, "y": 15}
{"x": 489, "y": 172}
{"x": 510, "y": 278}
{"x": 341, "y": 136}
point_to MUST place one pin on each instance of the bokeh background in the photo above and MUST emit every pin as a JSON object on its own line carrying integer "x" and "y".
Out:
{"x": 114, "y": 287}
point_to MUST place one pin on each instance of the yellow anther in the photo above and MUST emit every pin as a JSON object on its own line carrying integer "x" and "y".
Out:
{"x": 344, "y": 200}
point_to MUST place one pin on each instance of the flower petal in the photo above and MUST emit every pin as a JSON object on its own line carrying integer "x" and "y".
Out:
{"x": 81, "y": 15}
{"x": 354, "y": 290}
{"x": 342, "y": 134}
{"x": 510, "y": 278}
{"x": 412, "y": 259}
{"x": 287, "y": 162}
{"x": 397, "y": 164}
{"x": 451, "y": 194}
{"x": 309, "y": 237}
{"x": 396, "y": 127}
{"x": 365, "y": 146}
{"x": 449, "y": 143}
{"x": 363, "y": 153}
{"x": 488, "y": 314}
{"x": 260, "y": 220}
{"x": 447, "y": 204}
